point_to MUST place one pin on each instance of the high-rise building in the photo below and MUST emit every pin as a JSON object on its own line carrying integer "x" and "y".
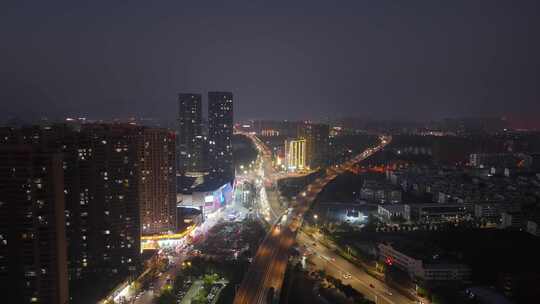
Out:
{"x": 103, "y": 201}
{"x": 316, "y": 136}
{"x": 295, "y": 154}
{"x": 190, "y": 137}
{"x": 118, "y": 180}
{"x": 220, "y": 132}
{"x": 157, "y": 182}
{"x": 33, "y": 262}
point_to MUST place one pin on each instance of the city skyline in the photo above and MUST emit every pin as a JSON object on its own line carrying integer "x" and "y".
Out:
{"x": 257, "y": 152}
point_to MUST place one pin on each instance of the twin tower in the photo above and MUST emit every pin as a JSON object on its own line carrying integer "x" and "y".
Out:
{"x": 199, "y": 152}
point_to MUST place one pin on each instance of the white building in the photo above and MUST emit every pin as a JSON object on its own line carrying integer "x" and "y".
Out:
{"x": 532, "y": 228}
{"x": 511, "y": 220}
{"x": 416, "y": 268}
{"x": 386, "y": 212}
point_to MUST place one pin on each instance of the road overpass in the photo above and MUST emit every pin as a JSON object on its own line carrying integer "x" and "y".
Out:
{"x": 267, "y": 270}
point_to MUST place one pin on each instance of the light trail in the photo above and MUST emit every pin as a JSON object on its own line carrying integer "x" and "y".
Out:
{"x": 270, "y": 262}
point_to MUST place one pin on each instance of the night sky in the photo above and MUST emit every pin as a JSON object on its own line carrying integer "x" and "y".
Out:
{"x": 282, "y": 59}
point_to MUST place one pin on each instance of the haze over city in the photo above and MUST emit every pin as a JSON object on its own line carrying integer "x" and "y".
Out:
{"x": 270, "y": 152}
{"x": 414, "y": 60}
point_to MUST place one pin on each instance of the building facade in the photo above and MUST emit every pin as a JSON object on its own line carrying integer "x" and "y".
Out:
{"x": 117, "y": 177}
{"x": 417, "y": 268}
{"x": 220, "y": 132}
{"x": 157, "y": 182}
{"x": 533, "y": 228}
{"x": 102, "y": 199}
{"x": 209, "y": 200}
{"x": 434, "y": 213}
{"x": 512, "y": 220}
{"x": 316, "y": 136}
{"x": 33, "y": 262}
{"x": 380, "y": 192}
{"x": 295, "y": 155}
{"x": 190, "y": 139}
{"x": 390, "y": 212}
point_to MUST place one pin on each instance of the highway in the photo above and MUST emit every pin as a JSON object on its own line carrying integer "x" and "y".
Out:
{"x": 336, "y": 266}
{"x": 267, "y": 271}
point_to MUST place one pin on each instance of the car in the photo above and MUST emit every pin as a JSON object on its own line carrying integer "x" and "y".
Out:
{"x": 347, "y": 276}
{"x": 371, "y": 285}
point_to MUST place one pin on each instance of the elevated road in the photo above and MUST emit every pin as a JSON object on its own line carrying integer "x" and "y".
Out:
{"x": 264, "y": 279}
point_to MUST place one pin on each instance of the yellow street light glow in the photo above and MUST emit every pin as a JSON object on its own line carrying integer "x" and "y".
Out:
{"x": 168, "y": 236}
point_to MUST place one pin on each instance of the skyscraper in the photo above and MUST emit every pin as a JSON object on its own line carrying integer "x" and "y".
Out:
{"x": 33, "y": 262}
{"x": 316, "y": 136}
{"x": 220, "y": 131}
{"x": 295, "y": 154}
{"x": 157, "y": 182}
{"x": 119, "y": 182}
{"x": 103, "y": 201}
{"x": 190, "y": 137}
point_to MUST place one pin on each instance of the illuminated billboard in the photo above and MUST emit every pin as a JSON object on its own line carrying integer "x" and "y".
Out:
{"x": 209, "y": 200}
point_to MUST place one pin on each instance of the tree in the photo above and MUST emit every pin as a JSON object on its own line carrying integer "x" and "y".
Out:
{"x": 209, "y": 280}
{"x": 166, "y": 297}
{"x": 201, "y": 297}
{"x": 349, "y": 291}
{"x": 421, "y": 291}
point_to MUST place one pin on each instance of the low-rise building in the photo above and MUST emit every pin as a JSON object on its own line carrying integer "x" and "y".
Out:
{"x": 489, "y": 210}
{"x": 434, "y": 212}
{"x": 387, "y": 212}
{"x": 445, "y": 272}
{"x": 422, "y": 267}
{"x": 395, "y": 257}
{"x": 532, "y": 227}
{"x": 380, "y": 192}
{"x": 511, "y": 220}
{"x": 503, "y": 160}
